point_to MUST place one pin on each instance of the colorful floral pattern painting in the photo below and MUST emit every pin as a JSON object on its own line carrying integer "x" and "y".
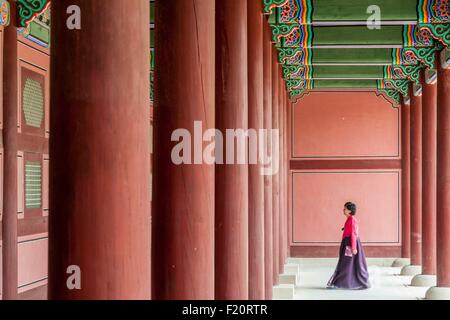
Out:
{"x": 4, "y": 13}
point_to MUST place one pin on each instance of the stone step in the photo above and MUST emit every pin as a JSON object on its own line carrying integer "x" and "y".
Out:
{"x": 289, "y": 279}
{"x": 292, "y": 269}
{"x": 284, "y": 292}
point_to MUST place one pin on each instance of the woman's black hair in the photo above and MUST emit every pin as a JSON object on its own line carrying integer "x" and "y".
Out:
{"x": 352, "y": 207}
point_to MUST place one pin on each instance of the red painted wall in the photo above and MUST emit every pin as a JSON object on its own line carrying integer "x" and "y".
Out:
{"x": 319, "y": 199}
{"x": 345, "y": 147}
{"x": 345, "y": 125}
{"x": 33, "y": 145}
{"x": 32, "y": 241}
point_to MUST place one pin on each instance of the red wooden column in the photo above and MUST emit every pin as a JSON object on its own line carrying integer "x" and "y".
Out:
{"x": 406, "y": 185}
{"x": 429, "y": 148}
{"x": 276, "y": 177}
{"x": 282, "y": 191}
{"x": 9, "y": 225}
{"x": 268, "y": 218}
{"x": 280, "y": 174}
{"x": 232, "y": 179}
{"x": 99, "y": 228}
{"x": 256, "y": 178}
{"x": 442, "y": 291}
{"x": 286, "y": 171}
{"x": 416, "y": 184}
{"x": 183, "y": 198}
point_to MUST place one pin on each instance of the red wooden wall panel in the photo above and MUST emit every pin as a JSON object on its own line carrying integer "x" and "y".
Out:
{"x": 345, "y": 146}
{"x": 34, "y": 64}
{"x": 345, "y": 125}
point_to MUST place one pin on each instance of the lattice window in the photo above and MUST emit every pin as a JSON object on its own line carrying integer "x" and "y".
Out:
{"x": 33, "y": 185}
{"x": 33, "y": 101}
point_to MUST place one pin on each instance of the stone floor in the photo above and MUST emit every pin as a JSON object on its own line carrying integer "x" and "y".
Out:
{"x": 387, "y": 284}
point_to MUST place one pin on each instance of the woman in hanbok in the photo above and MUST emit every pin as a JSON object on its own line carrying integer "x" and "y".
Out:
{"x": 351, "y": 271}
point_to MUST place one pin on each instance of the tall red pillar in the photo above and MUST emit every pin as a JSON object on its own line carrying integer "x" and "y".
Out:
{"x": 282, "y": 188}
{"x": 442, "y": 291}
{"x": 256, "y": 178}
{"x": 231, "y": 249}
{"x": 268, "y": 218}
{"x": 290, "y": 106}
{"x": 416, "y": 184}
{"x": 99, "y": 229}
{"x": 429, "y": 148}
{"x": 286, "y": 171}
{"x": 406, "y": 185}
{"x": 183, "y": 199}
{"x": 276, "y": 177}
{"x": 9, "y": 224}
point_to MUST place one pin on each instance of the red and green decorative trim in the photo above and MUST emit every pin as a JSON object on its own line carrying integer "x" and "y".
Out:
{"x": 292, "y": 35}
{"x": 415, "y": 36}
{"x": 434, "y": 11}
{"x": 269, "y": 5}
{"x": 440, "y": 32}
{"x": 414, "y": 56}
{"x": 295, "y": 72}
{"x": 295, "y": 11}
{"x": 5, "y": 13}
{"x": 392, "y": 95}
{"x": 38, "y": 31}
{"x": 28, "y": 10}
{"x": 401, "y": 86}
{"x": 402, "y": 72}
{"x": 295, "y": 56}
{"x": 298, "y": 87}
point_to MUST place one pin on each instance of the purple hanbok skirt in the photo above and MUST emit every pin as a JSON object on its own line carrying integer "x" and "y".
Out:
{"x": 351, "y": 271}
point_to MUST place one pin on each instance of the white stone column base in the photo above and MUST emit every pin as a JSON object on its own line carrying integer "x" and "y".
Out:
{"x": 438, "y": 293}
{"x": 401, "y": 262}
{"x": 424, "y": 280}
{"x": 284, "y": 292}
{"x": 411, "y": 270}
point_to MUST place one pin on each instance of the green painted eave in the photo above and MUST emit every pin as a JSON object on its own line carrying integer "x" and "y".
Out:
{"x": 357, "y": 35}
{"x": 352, "y": 56}
{"x": 356, "y": 10}
{"x": 343, "y": 72}
{"x": 345, "y": 84}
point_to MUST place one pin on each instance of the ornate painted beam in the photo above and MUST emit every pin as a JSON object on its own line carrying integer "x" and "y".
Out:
{"x": 301, "y": 27}
{"x": 433, "y": 11}
{"x": 316, "y": 11}
{"x": 28, "y": 10}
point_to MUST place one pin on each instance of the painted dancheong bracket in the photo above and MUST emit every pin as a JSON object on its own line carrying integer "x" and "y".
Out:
{"x": 398, "y": 72}
{"x": 28, "y": 10}
{"x": 5, "y": 13}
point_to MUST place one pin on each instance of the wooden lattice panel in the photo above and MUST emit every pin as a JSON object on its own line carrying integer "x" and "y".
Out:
{"x": 33, "y": 185}
{"x": 33, "y": 98}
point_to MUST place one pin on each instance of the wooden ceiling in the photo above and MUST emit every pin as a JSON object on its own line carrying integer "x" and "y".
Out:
{"x": 357, "y": 44}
